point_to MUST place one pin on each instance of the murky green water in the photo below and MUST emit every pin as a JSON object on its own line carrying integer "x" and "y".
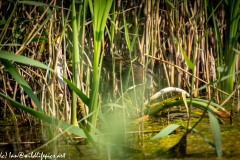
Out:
{"x": 131, "y": 145}
{"x": 197, "y": 148}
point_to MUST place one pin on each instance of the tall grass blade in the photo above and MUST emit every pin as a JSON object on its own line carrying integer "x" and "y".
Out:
{"x": 215, "y": 132}
{"x": 23, "y": 60}
{"x": 232, "y": 16}
{"x": 80, "y": 94}
{"x": 187, "y": 60}
{"x": 204, "y": 138}
{"x": 48, "y": 119}
{"x": 88, "y": 135}
{"x": 166, "y": 131}
{"x": 218, "y": 80}
{"x": 99, "y": 12}
{"x": 34, "y": 3}
{"x": 76, "y": 64}
{"x": 20, "y": 80}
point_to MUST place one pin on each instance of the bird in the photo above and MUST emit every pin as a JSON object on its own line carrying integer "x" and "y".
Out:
{"x": 124, "y": 69}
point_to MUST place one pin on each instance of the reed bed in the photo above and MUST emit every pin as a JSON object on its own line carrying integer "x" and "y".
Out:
{"x": 115, "y": 51}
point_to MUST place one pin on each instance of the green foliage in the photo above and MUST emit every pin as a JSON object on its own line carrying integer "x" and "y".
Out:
{"x": 166, "y": 131}
{"x": 23, "y": 60}
{"x": 227, "y": 58}
{"x": 153, "y": 32}
{"x": 99, "y": 12}
{"x": 187, "y": 60}
{"x": 6, "y": 56}
{"x": 215, "y": 128}
{"x": 76, "y": 64}
{"x": 204, "y": 105}
{"x": 34, "y": 3}
{"x": 13, "y": 71}
{"x": 48, "y": 119}
{"x": 78, "y": 92}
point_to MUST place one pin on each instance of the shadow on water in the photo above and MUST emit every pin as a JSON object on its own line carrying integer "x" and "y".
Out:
{"x": 17, "y": 139}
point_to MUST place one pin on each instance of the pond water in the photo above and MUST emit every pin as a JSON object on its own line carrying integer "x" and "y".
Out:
{"x": 129, "y": 145}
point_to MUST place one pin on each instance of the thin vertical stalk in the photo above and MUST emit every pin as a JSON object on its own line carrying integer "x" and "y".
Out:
{"x": 207, "y": 57}
{"x": 6, "y": 26}
{"x": 75, "y": 67}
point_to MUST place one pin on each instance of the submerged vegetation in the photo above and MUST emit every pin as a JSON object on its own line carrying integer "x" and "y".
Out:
{"x": 88, "y": 69}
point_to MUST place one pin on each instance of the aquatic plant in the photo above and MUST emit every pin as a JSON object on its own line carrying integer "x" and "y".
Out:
{"x": 52, "y": 54}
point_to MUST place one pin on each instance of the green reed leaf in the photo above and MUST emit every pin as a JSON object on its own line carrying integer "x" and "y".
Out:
{"x": 20, "y": 80}
{"x": 166, "y": 131}
{"x": 48, "y": 119}
{"x": 23, "y": 60}
{"x": 215, "y": 132}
